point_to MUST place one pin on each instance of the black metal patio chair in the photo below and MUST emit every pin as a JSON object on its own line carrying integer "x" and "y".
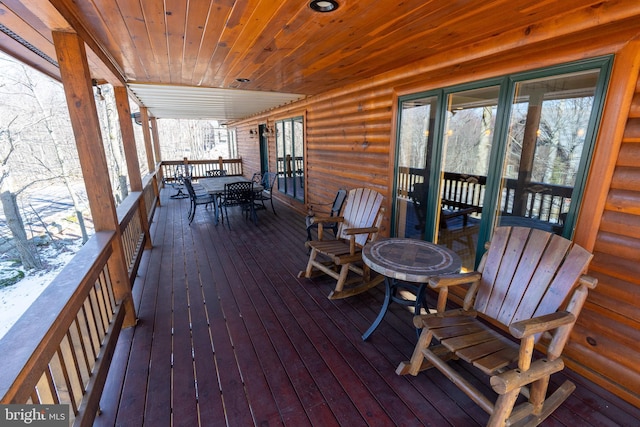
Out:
{"x": 196, "y": 199}
{"x": 217, "y": 172}
{"x": 341, "y": 195}
{"x": 180, "y": 173}
{"x": 237, "y": 194}
{"x": 267, "y": 180}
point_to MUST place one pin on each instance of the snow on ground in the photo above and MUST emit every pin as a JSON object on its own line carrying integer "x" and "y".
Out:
{"x": 15, "y": 299}
{"x": 55, "y": 208}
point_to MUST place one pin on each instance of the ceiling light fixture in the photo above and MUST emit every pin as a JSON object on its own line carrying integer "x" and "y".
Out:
{"x": 323, "y": 5}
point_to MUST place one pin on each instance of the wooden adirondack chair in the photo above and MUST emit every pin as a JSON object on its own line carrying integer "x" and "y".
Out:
{"x": 359, "y": 221}
{"x": 530, "y": 282}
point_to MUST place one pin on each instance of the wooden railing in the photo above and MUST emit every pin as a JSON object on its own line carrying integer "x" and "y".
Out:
{"x": 548, "y": 203}
{"x": 288, "y": 166}
{"x": 132, "y": 232}
{"x": 544, "y": 202}
{"x": 62, "y": 346}
{"x": 150, "y": 194}
{"x": 200, "y": 168}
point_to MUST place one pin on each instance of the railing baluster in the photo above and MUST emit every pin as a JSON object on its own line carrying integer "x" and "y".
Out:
{"x": 107, "y": 296}
{"x": 50, "y": 387}
{"x": 87, "y": 330}
{"x": 95, "y": 315}
{"x": 76, "y": 365}
{"x": 63, "y": 377}
{"x": 83, "y": 347}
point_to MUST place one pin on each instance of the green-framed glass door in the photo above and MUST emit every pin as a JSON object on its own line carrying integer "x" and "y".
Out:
{"x": 509, "y": 151}
{"x": 290, "y": 157}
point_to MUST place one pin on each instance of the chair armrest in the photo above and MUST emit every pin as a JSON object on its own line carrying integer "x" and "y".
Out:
{"x": 442, "y": 284}
{"x": 326, "y": 219}
{"x": 536, "y": 325}
{"x": 354, "y": 231}
{"x": 454, "y": 280}
{"x": 515, "y": 378}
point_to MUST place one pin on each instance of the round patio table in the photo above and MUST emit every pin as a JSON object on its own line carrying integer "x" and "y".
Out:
{"x": 407, "y": 264}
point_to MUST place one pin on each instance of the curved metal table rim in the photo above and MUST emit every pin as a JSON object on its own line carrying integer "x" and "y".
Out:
{"x": 407, "y": 264}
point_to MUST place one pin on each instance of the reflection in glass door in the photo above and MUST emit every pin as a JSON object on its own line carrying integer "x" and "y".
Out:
{"x": 549, "y": 122}
{"x": 414, "y": 157}
{"x": 468, "y": 137}
{"x": 508, "y": 151}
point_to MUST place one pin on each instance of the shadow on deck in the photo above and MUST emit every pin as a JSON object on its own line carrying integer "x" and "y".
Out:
{"x": 228, "y": 335}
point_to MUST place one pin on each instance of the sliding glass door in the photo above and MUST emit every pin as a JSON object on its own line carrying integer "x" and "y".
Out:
{"x": 548, "y": 133}
{"x": 510, "y": 151}
{"x": 414, "y": 159}
{"x": 467, "y": 145}
{"x": 290, "y": 156}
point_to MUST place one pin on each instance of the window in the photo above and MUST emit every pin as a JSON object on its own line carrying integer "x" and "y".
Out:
{"x": 290, "y": 156}
{"x": 508, "y": 151}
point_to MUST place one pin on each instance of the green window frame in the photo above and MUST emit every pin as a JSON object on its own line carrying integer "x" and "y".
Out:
{"x": 434, "y": 132}
{"x": 290, "y": 162}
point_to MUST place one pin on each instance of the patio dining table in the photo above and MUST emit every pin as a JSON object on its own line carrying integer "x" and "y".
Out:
{"x": 215, "y": 187}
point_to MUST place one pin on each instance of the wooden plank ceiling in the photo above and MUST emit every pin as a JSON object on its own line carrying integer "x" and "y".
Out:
{"x": 279, "y": 46}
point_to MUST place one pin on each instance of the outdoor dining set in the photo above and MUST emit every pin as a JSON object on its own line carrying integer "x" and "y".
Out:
{"x": 224, "y": 192}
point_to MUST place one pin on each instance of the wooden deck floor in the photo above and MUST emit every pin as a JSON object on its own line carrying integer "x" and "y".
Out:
{"x": 228, "y": 335}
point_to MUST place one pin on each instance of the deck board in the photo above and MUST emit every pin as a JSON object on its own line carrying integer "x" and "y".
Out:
{"x": 228, "y": 335}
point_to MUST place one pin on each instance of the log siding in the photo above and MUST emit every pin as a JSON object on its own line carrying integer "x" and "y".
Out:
{"x": 350, "y": 140}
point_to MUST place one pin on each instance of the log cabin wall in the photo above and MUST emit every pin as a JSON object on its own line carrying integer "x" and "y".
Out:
{"x": 611, "y": 329}
{"x": 350, "y": 140}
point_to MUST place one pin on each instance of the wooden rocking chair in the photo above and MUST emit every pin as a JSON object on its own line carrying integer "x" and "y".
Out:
{"x": 530, "y": 282}
{"x": 358, "y": 224}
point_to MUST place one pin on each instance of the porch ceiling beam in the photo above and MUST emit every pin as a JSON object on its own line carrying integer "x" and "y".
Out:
{"x": 65, "y": 10}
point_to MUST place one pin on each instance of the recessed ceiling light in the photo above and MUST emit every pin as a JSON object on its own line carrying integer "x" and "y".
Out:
{"x": 323, "y": 5}
{"x": 241, "y": 80}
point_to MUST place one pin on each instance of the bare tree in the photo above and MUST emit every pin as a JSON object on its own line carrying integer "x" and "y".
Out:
{"x": 26, "y": 249}
{"x": 36, "y": 147}
{"x": 62, "y": 166}
{"x": 112, "y": 137}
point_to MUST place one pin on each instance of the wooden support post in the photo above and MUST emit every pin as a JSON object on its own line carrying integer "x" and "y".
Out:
{"x": 156, "y": 147}
{"x": 151, "y": 155}
{"x": 128, "y": 138}
{"x": 529, "y": 141}
{"x": 76, "y": 79}
{"x": 131, "y": 155}
{"x": 156, "y": 139}
{"x": 144, "y": 117}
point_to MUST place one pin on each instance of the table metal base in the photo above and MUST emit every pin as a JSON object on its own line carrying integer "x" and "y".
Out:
{"x": 390, "y": 294}
{"x": 179, "y": 194}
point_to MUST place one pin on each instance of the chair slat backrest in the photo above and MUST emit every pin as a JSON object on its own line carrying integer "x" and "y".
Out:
{"x": 360, "y": 211}
{"x": 527, "y": 273}
{"x": 237, "y": 193}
